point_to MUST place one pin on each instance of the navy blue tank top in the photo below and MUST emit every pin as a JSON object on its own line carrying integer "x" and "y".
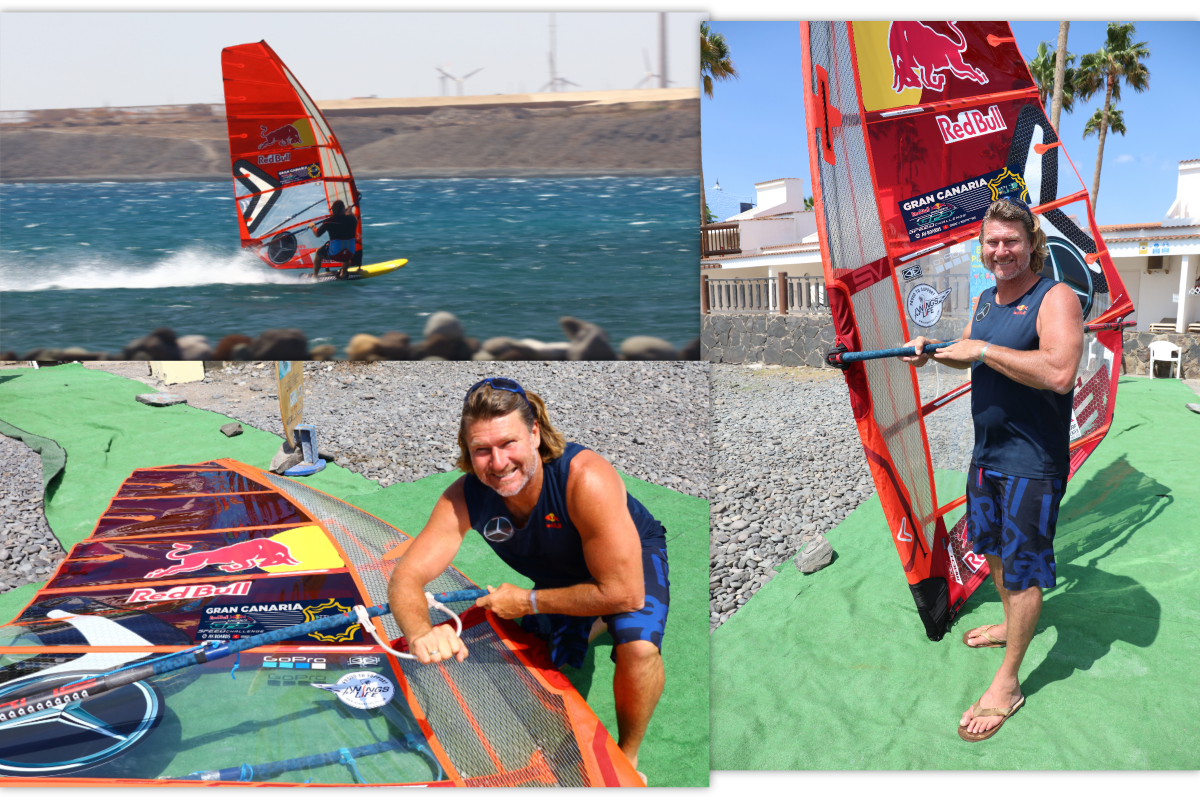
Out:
{"x": 1019, "y": 430}
{"x": 548, "y": 549}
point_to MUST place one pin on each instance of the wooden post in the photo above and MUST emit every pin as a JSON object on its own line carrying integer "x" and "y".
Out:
{"x": 783, "y": 302}
{"x": 704, "y": 294}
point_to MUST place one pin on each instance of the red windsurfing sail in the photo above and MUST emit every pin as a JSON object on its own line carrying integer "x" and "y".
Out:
{"x": 914, "y": 129}
{"x": 288, "y": 168}
{"x": 189, "y": 555}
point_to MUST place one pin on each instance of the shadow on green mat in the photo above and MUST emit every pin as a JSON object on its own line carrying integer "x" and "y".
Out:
{"x": 1110, "y": 510}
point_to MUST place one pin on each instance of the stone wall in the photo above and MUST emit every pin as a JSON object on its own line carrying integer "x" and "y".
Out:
{"x": 792, "y": 340}
{"x": 795, "y": 340}
{"x": 1137, "y": 353}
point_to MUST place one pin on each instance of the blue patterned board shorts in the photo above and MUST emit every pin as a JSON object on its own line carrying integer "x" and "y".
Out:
{"x": 567, "y": 636}
{"x": 1015, "y": 518}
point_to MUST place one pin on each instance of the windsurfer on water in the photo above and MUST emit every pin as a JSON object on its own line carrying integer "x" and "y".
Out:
{"x": 1028, "y": 341}
{"x": 558, "y": 514}
{"x": 342, "y": 228}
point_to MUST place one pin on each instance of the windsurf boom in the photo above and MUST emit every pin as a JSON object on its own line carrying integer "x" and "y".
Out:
{"x": 108, "y": 676}
{"x": 288, "y": 167}
{"x": 914, "y": 128}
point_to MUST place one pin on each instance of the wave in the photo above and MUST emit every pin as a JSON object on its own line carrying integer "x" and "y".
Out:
{"x": 191, "y": 267}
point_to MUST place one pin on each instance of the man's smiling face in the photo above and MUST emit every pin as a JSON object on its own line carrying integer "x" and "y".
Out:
{"x": 1006, "y": 249}
{"x": 504, "y": 453}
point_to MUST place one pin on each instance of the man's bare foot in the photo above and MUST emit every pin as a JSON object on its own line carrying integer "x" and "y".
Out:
{"x": 987, "y": 636}
{"x": 995, "y": 697}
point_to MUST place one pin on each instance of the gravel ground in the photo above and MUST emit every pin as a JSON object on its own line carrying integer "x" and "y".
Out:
{"x": 786, "y": 464}
{"x": 28, "y": 550}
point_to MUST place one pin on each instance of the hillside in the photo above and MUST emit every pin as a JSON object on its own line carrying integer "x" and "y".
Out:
{"x": 649, "y": 132}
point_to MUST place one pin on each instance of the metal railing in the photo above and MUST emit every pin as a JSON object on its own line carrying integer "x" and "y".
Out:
{"x": 803, "y": 294}
{"x": 720, "y": 239}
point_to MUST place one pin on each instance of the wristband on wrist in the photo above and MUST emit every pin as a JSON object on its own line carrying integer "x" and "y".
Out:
{"x": 981, "y": 352}
{"x": 533, "y": 601}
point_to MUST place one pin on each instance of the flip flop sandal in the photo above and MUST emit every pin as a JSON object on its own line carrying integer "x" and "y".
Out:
{"x": 986, "y": 635}
{"x": 967, "y": 736}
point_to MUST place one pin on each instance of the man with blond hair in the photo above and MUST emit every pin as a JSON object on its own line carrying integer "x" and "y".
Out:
{"x": 558, "y": 514}
{"x": 1022, "y": 343}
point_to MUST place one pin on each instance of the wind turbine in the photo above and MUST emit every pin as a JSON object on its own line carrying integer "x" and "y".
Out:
{"x": 650, "y": 73}
{"x": 555, "y": 81}
{"x": 459, "y": 81}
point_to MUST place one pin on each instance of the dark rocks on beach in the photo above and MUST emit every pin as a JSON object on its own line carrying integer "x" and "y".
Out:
{"x": 445, "y": 340}
{"x": 158, "y": 346}
{"x": 589, "y": 342}
{"x": 231, "y": 429}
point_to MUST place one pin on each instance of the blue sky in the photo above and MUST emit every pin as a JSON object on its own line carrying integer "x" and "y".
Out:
{"x": 753, "y": 128}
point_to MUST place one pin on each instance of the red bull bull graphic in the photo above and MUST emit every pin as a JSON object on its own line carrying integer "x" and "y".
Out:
{"x": 236, "y": 557}
{"x": 920, "y": 54}
{"x": 282, "y": 136}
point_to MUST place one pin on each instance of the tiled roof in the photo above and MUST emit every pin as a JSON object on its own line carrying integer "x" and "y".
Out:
{"x": 1155, "y": 238}
{"x": 1133, "y": 227}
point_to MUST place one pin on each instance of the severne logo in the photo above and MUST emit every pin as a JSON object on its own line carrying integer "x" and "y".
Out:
{"x": 970, "y": 124}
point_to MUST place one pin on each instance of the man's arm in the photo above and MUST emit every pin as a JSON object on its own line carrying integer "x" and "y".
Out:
{"x": 611, "y": 546}
{"x": 426, "y": 558}
{"x": 1053, "y": 365}
{"x": 921, "y": 341}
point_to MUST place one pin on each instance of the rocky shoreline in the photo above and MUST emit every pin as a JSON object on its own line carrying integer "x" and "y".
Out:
{"x": 786, "y": 465}
{"x": 445, "y": 340}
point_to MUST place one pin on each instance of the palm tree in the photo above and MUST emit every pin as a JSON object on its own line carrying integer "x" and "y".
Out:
{"x": 1116, "y": 122}
{"x": 1120, "y": 57}
{"x": 715, "y": 64}
{"x": 1060, "y": 64}
{"x": 1042, "y": 69}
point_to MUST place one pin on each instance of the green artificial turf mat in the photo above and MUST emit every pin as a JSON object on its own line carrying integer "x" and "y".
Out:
{"x": 833, "y": 671}
{"x": 106, "y": 434}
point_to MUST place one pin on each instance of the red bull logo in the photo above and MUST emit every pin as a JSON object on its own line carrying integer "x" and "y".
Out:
{"x": 920, "y": 54}
{"x": 281, "y": 136}
{"x": 552, "y": 521}
{"x": 231, "y": 558}
{"x": 970, "y": 124}
{"x": 188, "y": 592}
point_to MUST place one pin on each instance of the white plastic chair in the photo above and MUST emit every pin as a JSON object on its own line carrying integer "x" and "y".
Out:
{"x": 1165, "y": 351}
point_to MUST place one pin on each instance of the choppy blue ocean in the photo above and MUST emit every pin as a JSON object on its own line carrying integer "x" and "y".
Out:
{"x": 98, "y": 265}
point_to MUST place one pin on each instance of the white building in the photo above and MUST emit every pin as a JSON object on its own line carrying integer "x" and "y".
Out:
{"x": 777, "y": 235}
{"x": 1160, "y": 261}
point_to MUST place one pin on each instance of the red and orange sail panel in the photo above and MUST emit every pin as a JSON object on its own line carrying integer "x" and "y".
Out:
{"x": 914, "y": 129}
{"x": 288, "y": 167}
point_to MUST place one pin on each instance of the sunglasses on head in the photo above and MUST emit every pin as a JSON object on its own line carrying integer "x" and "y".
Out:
{"x": 1019, "y": 203}
{"x": 500, "y": 384}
